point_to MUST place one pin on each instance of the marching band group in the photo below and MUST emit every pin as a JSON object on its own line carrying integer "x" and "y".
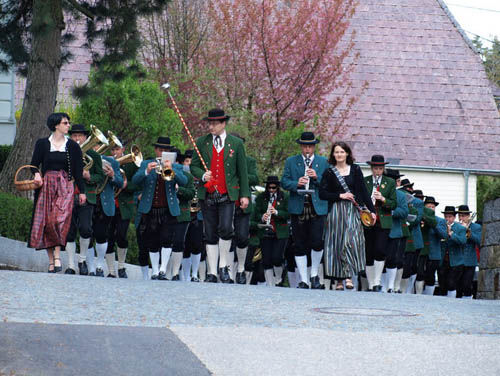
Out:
{"x": 197, "y": 218}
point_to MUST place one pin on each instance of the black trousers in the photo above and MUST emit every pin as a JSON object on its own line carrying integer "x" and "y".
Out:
{"x": 101, "y": 223}
{"x": 157, "y": 229}
{"x": 395, "y": 254}
{"x": 410, "y": 264}
{"x": 241, "y": 228}
{"x": 218, "y": 221}
{"x": 449, "y": 277}
{"x": 81, "y": 221}
{"x": 289, "y": 255}
{"x": 430, "y": 272}
{"x": 249, "y": 265}
{"x": 376, "y": 240}
{"x": 117, "y": 232}
{"x": 143, "y": 251}
{"x": 180, "y": 231}
{"x": 194, "y": 238}
{"x": 272, "y": 251}
{"x": 466, "y": 280}
{"x": 307, "y": 234}
{"x": 421, "y": 267}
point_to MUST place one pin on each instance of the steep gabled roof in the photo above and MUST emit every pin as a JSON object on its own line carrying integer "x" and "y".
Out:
{"x": 428, "y": 102}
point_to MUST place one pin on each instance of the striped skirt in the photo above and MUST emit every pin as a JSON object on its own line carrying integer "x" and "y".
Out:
{"x": 344, "y": 251}
{"x": 52, "y": 217}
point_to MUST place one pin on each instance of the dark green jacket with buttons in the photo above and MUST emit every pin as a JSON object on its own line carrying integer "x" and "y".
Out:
{"x": 126, "y": 197}
{"x": 185, "y": 195}
{"x": 96, "y": 177}
{"x": 280, "y": 220}
{"x": 388, "y": 190}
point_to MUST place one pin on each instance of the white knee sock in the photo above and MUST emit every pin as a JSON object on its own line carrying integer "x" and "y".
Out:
{"x": 212, "y": 258}
{"x": 91, "y": 264}
{"x": 155, "y": 261}
{"x": 301, "y": 262}
{"x": 378, "y": 268}
{"x": 269, "y": 275}
{"x": 169, "y": 274}
{"x": 186, "y": 269}
{"x": 419, "y": 287}
{"x": 195, "y": 264}
{"x": 429, "y": 290}
{"x": 176, "y": 262}
{"x": 226, "y": 257}
{"x": 278, "y": 272}
{"x": 248, "y": 275}
{"x": 411, "y": 284}
{"x": 101, "y": 253}
{"x": 370, "y": 275}
{"x": 122, "y": 256}
{"x": 452, "y": 294}
{"x": 145, "y": 272}
{"x": 84, "y": 246}
{"x": 390, "y": 278}
{"x": 165, "y": 257}
{"x": 241, "y": 253}
{"x": 110, "y": 262}
{"x": 404, "y": 285}
{"x": 316, "y": 257}
{"x": 397, "y": 281}
{"x": 292, "y": 281}
{"x": 71, "y": 250}
{"x": 202, "y": 270}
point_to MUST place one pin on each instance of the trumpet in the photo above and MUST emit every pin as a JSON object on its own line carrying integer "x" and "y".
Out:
{"x": 96, "y": 138}
{"x": 467, "y": 224}
{"x": 167, "y": 174}
{"x": 135, "y": 156}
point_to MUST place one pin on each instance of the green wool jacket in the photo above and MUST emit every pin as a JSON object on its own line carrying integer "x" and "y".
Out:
{"x": 407, "y": 233}
{"x": 185, "y": 195}
{"x": 429, "y": 221}
{"x": 235, "y": 166}
{"x": 126, "y": 201}
{"x": 281, "y": 220}
{"x": 96, "y": 177}
{"x": 388, "y": 190}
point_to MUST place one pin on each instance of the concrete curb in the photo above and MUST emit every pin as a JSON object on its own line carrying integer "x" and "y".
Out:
{"x": 15, "y": 254}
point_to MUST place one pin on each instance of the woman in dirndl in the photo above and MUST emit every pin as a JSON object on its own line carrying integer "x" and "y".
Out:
{"x": 61, "y": 160}
{"x": 344, "y": 252}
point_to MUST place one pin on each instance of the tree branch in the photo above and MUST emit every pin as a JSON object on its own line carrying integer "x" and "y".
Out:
{"x": 81, "y": 9}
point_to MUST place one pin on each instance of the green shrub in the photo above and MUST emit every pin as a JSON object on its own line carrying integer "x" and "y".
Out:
{"x": 488, "y": 188}
{"x": 4, "y": 153}
{"x": 133, "y": 249}
{"x": 15, "y": 216}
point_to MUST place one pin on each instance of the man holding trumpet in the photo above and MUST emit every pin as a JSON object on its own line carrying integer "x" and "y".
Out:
{"x": 159, "y": 206}
{"x": 473, "y": 235}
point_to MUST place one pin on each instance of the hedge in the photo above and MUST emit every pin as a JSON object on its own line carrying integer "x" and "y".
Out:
{"x": 4, "y": 153}
{"x": 15, "y": 216}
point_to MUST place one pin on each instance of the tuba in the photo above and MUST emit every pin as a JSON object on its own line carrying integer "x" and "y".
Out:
{"x": 113, "y": 142}
{"x": 96, "y": 138}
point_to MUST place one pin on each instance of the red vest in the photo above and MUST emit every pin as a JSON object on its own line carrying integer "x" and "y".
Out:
{"x": 218, "y": 172}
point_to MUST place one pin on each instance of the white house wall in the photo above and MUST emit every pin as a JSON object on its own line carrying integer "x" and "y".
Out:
{"x": 448, "y": 188}
{"x": 7, "y": 113}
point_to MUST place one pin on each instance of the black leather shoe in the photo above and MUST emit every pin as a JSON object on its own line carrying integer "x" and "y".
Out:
{"x": 53, "y": 269}
{"x": 99, "y": 272}
{"x": 111, "y": 276}
{"x": 82, "y": 267}
{"x": 315, "y": 285}
{"x": 303, "y": 285}
{"x": 57, "y": 269}
{"x": 69, "y": 271}
{"x": 122, "y": 273}
{"x": 211, "y": 278}
{"x": 224, "y": 275}
{"x": 241, "y": 278}
{"x": 154, "y": 276}
{"x": 195, "y": 279}
{"x": 92, "y": 274}
{"x": 162, "y": 276}
{"x": 377, "y": 288}
{"x": 399, "y": 292}
{"x": 176, "y": 278}
{"x": 390, "y": 291}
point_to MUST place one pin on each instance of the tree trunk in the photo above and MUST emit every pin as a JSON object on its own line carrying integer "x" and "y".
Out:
{"x": 41, "y": 87}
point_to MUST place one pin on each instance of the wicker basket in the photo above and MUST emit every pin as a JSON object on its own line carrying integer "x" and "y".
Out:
{"x": 26, "y": 185}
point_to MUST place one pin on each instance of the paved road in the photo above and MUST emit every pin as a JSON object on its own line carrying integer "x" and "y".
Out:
{"x": 249, "y": 330}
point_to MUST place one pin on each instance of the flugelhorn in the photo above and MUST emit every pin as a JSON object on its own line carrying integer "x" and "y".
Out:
{"x": 96, "y": 138}
{"x": 135, "y": 157}
{"x": 167, "y": 174}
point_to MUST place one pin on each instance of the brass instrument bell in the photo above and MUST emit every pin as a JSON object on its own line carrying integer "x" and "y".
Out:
{"x": 113, "y": 142}
{"x": 135, "y": 157}
{"x": 96, "y": 138}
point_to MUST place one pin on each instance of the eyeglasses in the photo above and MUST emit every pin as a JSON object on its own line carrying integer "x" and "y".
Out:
{"x": 272, "y": 187}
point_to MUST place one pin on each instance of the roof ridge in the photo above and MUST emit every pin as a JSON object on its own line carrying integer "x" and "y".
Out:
{"x": 457, "y": 25}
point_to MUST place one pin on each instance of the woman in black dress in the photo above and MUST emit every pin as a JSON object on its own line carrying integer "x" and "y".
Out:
{"x": 344, "y": 252}
{"x": 60, "y": 159}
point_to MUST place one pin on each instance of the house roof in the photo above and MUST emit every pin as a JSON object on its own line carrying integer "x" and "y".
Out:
{"x": 428, "y": 101}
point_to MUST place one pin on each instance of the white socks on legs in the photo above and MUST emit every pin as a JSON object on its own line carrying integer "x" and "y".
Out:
{"x": 226, "y": 257}
{"x": 110, "y": 262}
{"x": 101, "y": 253}
{"x": 122, "y": 255}
{"x": 269, "y": 275}
{"x": 212, "y": 258}
{"x": 404, "y": 284}
{"x": 378, "y": 268}
{"x": 241, "y": 254}
{"x": 186, "y": 269}
{"x": 278, "y": 272}
{"x": 390, "y": 278}
{"x": 176, "y": 262}
{"x": 202, "y": 270}
{"x": 397, "y": 281}
{"x": 155, "y": 261}
{"x": 301, "y": 262}
{"x": 165, "y": 257}
{"x": 71, "y": 250}
{"x": 84, "y": 246}
{"x": 452, "y": 294}
{"x": 419, "y": 287}
{"x": 145, "y": 272}
{"x": 370, "y": 273}
{"x": 195, "y": 264}
{"x": 429, "y": 290}
{"x": 292, "y": 280}
{"x": 316, "y": 257}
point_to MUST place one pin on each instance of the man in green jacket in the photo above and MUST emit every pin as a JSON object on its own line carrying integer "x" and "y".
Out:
{"x": 81, "y": 219}
{"x": 224, "y": 183}
{"x": 383, "y": 191}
